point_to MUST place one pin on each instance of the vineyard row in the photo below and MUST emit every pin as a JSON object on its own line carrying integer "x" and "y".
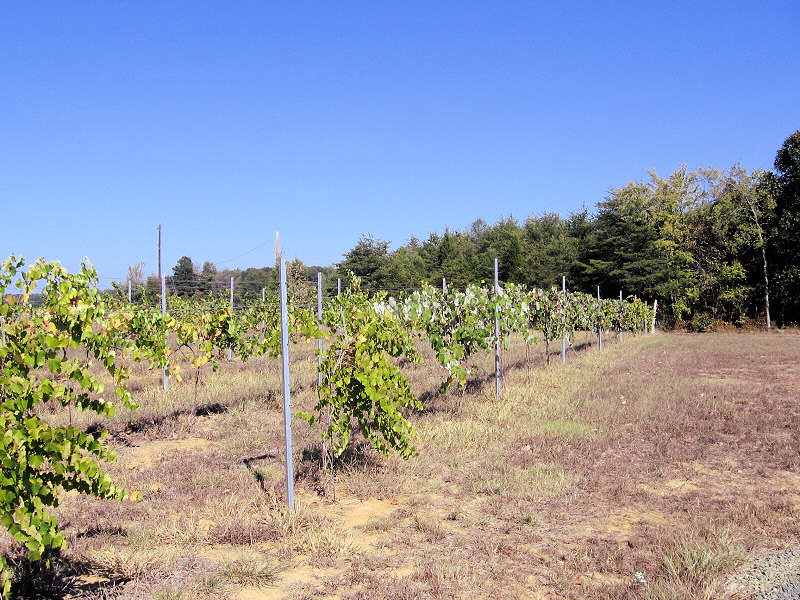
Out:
{"x": 47, "y": 352}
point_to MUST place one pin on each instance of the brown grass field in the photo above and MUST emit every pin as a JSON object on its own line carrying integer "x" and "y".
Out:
{"x": 653, "y": 469}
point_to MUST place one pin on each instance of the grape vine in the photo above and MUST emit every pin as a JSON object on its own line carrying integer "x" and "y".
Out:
{"x": 40, "y": 362}
{"x": 41, "y": 352}
{"x": 360, "y": 382}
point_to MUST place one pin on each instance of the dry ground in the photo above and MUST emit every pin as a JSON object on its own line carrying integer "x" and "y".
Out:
{"x": 652, "y": 469}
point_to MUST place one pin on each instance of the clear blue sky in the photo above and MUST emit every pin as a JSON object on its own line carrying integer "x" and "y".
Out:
{"x": 229, "y": 121}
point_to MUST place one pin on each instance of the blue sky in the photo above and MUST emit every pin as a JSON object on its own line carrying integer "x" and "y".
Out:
{"x": 226, "y": 122}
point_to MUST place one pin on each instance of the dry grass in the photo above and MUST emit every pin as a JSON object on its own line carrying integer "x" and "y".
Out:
{"x": 649, "y": 470}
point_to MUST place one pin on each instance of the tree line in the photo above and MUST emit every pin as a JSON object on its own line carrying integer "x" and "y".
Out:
{"x": 709, "y": 244}
{"x": 188, "y": 280}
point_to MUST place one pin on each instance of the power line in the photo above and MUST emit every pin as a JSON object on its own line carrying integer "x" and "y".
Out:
{"x": 222, "y": 262}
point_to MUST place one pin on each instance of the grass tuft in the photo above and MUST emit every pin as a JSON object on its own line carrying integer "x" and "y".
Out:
{"x": 251, "y": 573}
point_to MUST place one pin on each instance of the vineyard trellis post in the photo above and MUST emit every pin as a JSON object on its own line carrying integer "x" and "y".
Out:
{"x": 230, "y": 351}
{"x": 129, "y": 291}
{"x": 496, "y": 330}
{"x": 599, "y": 323}
{"x": 163, "y": 304}
{"x": 319, "y": 324}
{"x": 287, "y": 410}
{"x": 655, "y": 309}
{"x": 444, "y": 285}
{"x": 263, "y": 323}
{"x": 338, "y": 286}
{"x": 621, "y": 334}
{"x": 564, "y": 312}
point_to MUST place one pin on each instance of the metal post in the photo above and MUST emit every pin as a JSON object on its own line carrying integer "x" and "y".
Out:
{"x": 159, "y": 251}
{"x": 230, "y": 352}
{"x": 163, "y": 296}
{"x": 263, "y": 323}
{"x": 444, "y": 285}
{"x": 496, "y": 331}
{"x": 564, "y": 341}
{"x": 129, "y": 291}
{"x": 339, "y": 286}
{"x": 319, "y": 324}
{"x": 600, "y": 324}
{"x": 655, "y": 310}
{"x": 621, "y": 334}
{"x": 164, "y": 312}
{"x": 287, "y": 411}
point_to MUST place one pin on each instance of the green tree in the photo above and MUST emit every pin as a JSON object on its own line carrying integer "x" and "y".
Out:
{"x": 737, "y": 220}
{"x": 152, "y": 289}
{"x": 643, "y": 243}
{"x": 579, "y": 228}
{"x": 369, "y": 261}
{"x": 622, "y": 247}
{"x": 429, "y": 252}
{"x": 206, "y": 276}
{"x": 503, "y": 241}
{"x": 184, "y": 277}
{"x": 407, "y": 267}
{"x": 456, "y": 260}
{"x": 550, "y": 250}
{"x": 786, "y": 234}
{"x": 253, "y": 280}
